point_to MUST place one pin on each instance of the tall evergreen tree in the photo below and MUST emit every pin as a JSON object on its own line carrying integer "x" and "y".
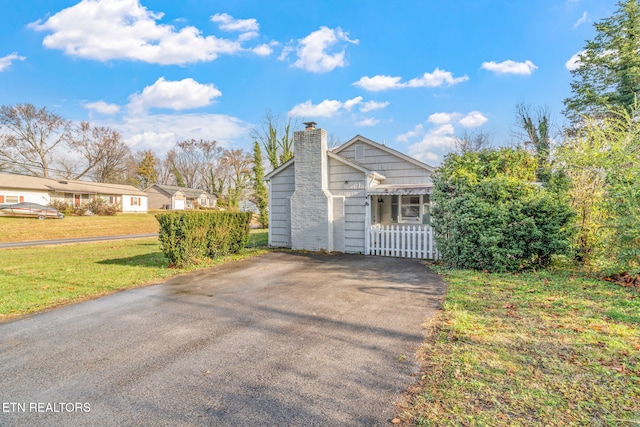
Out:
{"x": 258, "y": 185}
{"x": 607, "y": 75}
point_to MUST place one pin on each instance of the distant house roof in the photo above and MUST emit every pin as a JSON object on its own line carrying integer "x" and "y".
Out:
{"x": 191, "y": 193}
{"x": 24, "y": 182}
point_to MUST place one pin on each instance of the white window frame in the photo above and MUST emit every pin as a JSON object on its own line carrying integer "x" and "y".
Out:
{"x": 422, "y": 205}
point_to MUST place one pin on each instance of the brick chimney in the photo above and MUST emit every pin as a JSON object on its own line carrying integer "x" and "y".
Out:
{"x": 311, "y": 202}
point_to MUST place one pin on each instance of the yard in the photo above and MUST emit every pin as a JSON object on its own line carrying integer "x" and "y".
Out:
{"x": 22, "y": 229}
{"x": 544, "y": 348}
{"x": 33, "y": 279}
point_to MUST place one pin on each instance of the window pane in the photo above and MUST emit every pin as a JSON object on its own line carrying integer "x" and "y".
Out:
{"x": 410, "y": 200}
{"x": 410, "y": 212}
{"x": 394, "y": 208}
{"x": 12, "y": 199}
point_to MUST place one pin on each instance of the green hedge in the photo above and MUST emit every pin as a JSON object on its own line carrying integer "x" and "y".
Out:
{"x": 487, "y": 216}
{"x": 188, "y": 237}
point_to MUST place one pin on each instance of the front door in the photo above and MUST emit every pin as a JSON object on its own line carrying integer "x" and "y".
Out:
{"x": 76, "y": 200}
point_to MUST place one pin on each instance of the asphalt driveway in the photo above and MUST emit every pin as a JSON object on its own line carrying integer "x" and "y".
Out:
{"x": 279, "y": 339}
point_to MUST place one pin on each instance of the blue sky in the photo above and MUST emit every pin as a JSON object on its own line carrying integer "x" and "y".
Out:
{"x": 407, "y": 73}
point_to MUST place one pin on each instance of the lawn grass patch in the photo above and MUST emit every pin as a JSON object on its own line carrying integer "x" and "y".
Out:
{"x": 24, "y": 229}
{"x": 34, "y": 279}
{"x": 531, "y": 349}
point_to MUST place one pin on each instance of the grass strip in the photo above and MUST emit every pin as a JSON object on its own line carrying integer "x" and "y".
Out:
{"x": 534, "y": 349}
{"x": 38, "y": 278}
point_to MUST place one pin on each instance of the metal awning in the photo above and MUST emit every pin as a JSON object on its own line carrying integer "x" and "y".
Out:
{"x": 400, "y": 189}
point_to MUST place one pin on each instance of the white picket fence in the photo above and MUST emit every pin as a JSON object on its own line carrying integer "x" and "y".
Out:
{"x": 402, "y": 241}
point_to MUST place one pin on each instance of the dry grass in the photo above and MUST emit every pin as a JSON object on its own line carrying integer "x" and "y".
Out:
{"x": 24, "y": 229}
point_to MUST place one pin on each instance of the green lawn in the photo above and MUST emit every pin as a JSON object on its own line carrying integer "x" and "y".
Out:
{"x": 533, "y": 349}
{"x": 33, "y": 279}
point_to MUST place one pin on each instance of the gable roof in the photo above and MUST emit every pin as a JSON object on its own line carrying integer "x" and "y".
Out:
{"x": 355, "y": 165}
{"x": 360, "y": 138}
{"x": 188, "y": 192}
{"x": 279, "y": 169}
{"x": 24, "y": 182}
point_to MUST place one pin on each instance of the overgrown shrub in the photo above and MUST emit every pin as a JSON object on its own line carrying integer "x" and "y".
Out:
{"x": 487, "y": 214}
{"x": 190, "y": 236}
{"x": 602, "y": 163}
{"x": 62, "y": 206}
{"x": 99, "y": 206}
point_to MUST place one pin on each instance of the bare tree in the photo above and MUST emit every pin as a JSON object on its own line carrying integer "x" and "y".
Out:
{"x": 185, "y": 160}
{"x": 117, "y": 163}
{"x": 104, "y": 155}
{"x": 534, "y": 131}
{"x": 29, "y": 138}
{"x": 164, "y": 170}
{"x": 472, "y": 141}
{"x": 237, "y": 164}
{"x": 275, "y": 134}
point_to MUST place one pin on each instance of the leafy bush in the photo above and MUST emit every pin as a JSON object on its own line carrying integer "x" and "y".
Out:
{"x": 191, "y": 236}
{"x": 99, "y": 206}
{"x": 601, "y": 163}
{"x": 62, "y": 206}
{"x": 488, "y": 216}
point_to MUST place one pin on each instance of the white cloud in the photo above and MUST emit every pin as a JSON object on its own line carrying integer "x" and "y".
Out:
{"x": 405, "y": 137}
{"x": 263, "y": 50}
{"x": 160, "y": 132}
{"x": 176, "y": 95}
{"x": 574, "y": 62}
{"x": 440, "y": 118}
{"x": 348, "y": 105}
{"x": 446, "y": 129}
{"x": 6, "y": 61}
{"x": 314, "y": 51}
{"x": 102, "y": 107}
{"x": 326, "y": 108}
{"x": 582, "y": 20}
{"x": 436, "y": 79}
{"x": 432, "y": 147}
{"x": 124, "y": 29}
{"x": 378, "y": 83}
{"x": 373, "y": 105}
{"x": 229, "y": 23}
{"x": 370, "y": 121}
{"x": 473, "y": 119}
{"x": 510, "y": 67}
{"x": 439, "y": 139}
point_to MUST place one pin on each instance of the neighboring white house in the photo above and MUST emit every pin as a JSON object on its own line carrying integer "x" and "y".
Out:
{"x": 361, "y": 197}
{"x": 178, "y": 198}
{"x": 20, "y": 188}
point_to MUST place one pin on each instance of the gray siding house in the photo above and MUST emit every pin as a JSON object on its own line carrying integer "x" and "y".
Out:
{"x": 178, "y": 198}
{"x": 331, "y": 200}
